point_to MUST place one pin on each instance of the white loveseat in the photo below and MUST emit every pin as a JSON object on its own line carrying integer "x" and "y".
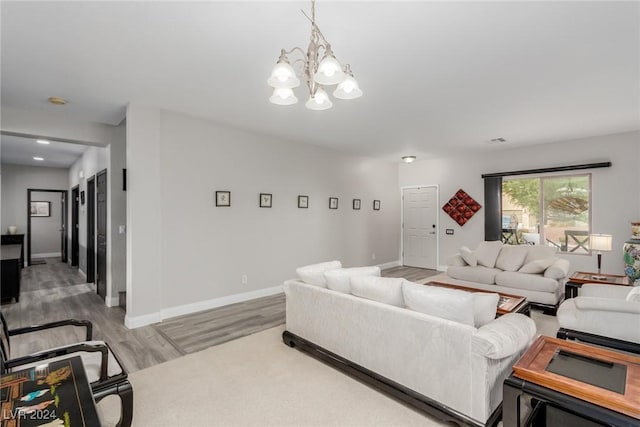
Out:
{"x": 531, "y": 271}
{"x": 450, "y": 369}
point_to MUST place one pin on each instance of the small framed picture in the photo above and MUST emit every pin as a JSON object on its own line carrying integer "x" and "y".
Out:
{"x": 82, "y": 197}
{"x": 303, "y": 202}
{"x": 376, "y": 205}
{"x": 223, "y": 198}
{"x": 333, "y": 203}
{"x": 40, "y": 209}
{"x": 356, "y": 204}
{"x": 265, "y": 200}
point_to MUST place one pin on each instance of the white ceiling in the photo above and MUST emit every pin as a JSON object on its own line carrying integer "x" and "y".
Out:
{"x": 21, "y": 151}
{"x": 438, "y": 77}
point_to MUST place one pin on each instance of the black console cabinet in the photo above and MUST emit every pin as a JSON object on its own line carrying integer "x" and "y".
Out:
{"x": 10, "y": 281}
{"x": 15, "y": 239}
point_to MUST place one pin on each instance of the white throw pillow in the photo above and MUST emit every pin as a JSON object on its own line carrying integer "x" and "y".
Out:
{"x": 558, "y": 270}
{"x": 468, "y": 256}
{"x": 634, "y": 294}
{"x": 538, "y": 266}
{"x": 387, "y": 290}
{"x": 450, "y": 304}
{"x": 537, "y": 252}
{"x": 511, "y": 257}
{"x": 339, "y": 280}
{"x": 484, "y": 307}
{"x": 314, "y": 274}
{"x": 487, "y": 253}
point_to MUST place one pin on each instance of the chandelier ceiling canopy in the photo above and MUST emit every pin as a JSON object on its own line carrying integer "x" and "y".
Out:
{"x": 317, "y": 74}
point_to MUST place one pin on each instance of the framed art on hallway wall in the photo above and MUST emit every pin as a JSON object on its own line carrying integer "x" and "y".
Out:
{"x": 333, "y": 203}
{"x": 40, "y": 209}
{"x": 303, "y": 202}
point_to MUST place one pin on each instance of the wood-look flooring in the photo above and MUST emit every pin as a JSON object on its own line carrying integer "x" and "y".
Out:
{"x": 55, "y": 291}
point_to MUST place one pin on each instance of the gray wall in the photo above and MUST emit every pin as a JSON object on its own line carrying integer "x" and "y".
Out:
{"x": 187, "y": 251}
{"x": 45, "y": 231}
{"x": 615, "y": 198}
{"x": 16, "y": 179}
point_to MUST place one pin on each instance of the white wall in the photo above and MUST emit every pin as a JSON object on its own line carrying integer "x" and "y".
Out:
{"x": 117, "y": 215}
{"x": 615, "y": 198}
{"x": 175, "y": 165}
{"x": 45, "y": 230}
{"x": 16, "y": 179}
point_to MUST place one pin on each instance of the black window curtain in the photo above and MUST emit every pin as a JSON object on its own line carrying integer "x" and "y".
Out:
{"x": 493, "y": 208}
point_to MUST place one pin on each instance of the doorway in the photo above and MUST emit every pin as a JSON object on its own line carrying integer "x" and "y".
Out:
{"x": 91, "y": 229}
{"x": 420, "y": 227}
{"x": 75, "y": 226}
{"x": 47, "y": 209}
{"x": 101, "y": 231}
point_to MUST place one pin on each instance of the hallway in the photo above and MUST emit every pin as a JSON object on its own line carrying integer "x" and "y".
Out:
{"x": 55, "y": 291}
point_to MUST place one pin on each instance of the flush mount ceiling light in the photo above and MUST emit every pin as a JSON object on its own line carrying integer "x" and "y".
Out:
{"x": 38, "y": 159}
{"x": 408, "y": 159}
{"x": 43, "y": 141}
{"x": 57, "y": 101}
{"x": 316, "y": 73}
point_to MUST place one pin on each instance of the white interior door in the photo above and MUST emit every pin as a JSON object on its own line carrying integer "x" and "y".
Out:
{"x": 419, "y": 227}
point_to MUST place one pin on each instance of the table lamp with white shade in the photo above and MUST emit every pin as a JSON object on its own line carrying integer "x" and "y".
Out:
{"x": 599, "y": 243}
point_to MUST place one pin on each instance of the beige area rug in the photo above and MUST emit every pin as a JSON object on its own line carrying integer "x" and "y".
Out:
{"x": 256, "y": 381}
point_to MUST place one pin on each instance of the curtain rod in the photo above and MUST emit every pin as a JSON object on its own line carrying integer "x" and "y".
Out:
{"x": 547, "y": 170}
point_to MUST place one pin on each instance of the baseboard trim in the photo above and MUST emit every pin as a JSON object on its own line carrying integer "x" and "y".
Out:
{"x": 389, "y": 264}
{"x": 133, "y": 322}
{"x": 46, "y": 255}
{"x": 112, "y": 301}
{"x": 181, "y": 310}
{"x": 82, "y": 273}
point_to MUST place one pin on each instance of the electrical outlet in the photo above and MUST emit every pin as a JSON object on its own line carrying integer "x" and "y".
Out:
{"x": 245, "y": 280}
{"x": 373, "y": 256}
{"x": 449, "y": 231}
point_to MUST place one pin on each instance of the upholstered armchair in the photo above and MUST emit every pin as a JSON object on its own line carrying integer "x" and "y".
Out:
{"x": 606, "y": 315}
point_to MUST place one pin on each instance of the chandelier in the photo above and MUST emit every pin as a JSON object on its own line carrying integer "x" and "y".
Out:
{"x": 317, "y": 73}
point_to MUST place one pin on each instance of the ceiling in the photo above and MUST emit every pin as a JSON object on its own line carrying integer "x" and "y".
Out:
{"x": 21, "y": 151}
{"x": 438, "y": 77}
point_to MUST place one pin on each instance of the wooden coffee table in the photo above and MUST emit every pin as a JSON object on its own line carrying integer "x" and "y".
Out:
{"x": 508, "y": 303}
{"x": 580, "y": 384}
{"x": 579, "y": 278}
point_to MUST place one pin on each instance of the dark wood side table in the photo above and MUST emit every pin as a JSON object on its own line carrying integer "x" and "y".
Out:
{"x": 559, "y": 382}
{"x": 51, "y": 391}
{"x": 579, "y": 278}
{"x": 14, "y": 239}
{"x": 10, "y": 272}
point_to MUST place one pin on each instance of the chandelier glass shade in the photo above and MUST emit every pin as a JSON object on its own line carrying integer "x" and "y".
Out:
{"x": 315, "y": 72}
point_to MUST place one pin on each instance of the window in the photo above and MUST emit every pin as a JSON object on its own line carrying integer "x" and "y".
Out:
{"x": 551, "y": 210}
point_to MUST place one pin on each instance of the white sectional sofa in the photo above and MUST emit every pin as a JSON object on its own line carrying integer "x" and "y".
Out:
{"x": 448, "y": 368}
{"x": 531, "y": 271}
